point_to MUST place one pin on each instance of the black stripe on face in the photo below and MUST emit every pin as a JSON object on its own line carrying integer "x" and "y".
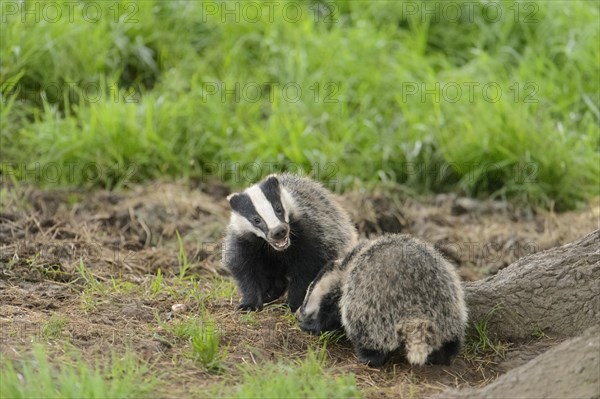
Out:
{"x": 242, "y": 204}
{"x": 270, "y": 188}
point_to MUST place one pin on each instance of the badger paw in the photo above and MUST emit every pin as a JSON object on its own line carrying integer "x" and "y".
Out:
{"x": 372, "y": 357}
{"x": 250, "y": 307}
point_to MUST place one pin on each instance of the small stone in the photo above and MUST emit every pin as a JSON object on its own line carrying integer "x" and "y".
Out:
{"x": 178, "y": 308}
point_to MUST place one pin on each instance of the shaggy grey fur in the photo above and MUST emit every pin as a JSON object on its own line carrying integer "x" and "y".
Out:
{"x": 396, "y": 291}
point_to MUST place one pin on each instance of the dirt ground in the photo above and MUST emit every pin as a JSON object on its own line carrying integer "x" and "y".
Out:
{"x": 123, "y": 239}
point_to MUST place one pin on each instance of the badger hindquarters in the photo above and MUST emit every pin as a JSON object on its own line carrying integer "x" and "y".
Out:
{"x": 395, "y": 291}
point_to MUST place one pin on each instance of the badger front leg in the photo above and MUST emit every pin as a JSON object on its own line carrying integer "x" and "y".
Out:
{"x": 277, "y": 284}
{"x": 297, "y": 290}
{"x": 252, "y": 299}
{"x": 248, "y": 269}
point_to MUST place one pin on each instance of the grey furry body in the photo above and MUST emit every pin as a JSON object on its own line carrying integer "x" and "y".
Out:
{"x": 394, "y": 291}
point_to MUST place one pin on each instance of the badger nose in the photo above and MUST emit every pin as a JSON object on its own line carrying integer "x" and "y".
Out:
{"x": 279, "y": 232}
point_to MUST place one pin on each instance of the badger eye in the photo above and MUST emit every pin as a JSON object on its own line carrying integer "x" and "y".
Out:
{"x": 278, "y": 209}
{"x": 256, "y": 220}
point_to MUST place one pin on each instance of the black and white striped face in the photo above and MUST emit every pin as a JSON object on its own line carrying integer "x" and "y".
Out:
{"x": 264, "y": 210}
{"x": 320, "y": 311}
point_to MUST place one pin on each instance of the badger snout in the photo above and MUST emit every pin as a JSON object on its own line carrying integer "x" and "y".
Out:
{"x": 279, "y": 237}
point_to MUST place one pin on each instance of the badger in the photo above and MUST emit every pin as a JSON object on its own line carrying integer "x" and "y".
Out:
{"x": 389, "y": 293}
{"x": 281, "y": 232}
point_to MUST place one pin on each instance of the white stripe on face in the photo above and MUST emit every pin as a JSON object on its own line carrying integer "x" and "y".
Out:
{"x": 322, "y": 287}
{"x": 289, "y": 205}
{"x": 241, "y": 224}
{"x": 263, "y": 207}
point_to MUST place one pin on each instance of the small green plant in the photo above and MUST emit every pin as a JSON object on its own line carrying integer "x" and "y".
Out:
{"x": 156, "y": 284}
{"x": 182, "y": 258}
{"x": 479, "y": 341}
{"x": 90, "y": 280}
{"x": 206, "y": 347}
{"x": 221, "y": 288}
{"x": 119, "y": 286}
{"x": 186, "y": 328}
{"x": 204, "y": 337}
{"x": 331, "y": 337}
{"x": 306, "y": 378}
{"x": 53, "y": 327}
{"x": 88, "y": 299}
{"x": 121, "y": 376}
{"x": 95, "y": 288}
{"x": 91, "y": 288}
{"x": 538, "y": 333}
{"x": 249, "y": 319}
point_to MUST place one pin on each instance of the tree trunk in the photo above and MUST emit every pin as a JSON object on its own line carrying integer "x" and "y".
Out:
{"x": 554, "y": 291}
{"x": 569, "y": 370}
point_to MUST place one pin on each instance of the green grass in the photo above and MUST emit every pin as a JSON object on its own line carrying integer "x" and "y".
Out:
{"x": 331, "y": 337}
{"x": 160, "y": 105}
{"x": 95, "y": 291}
{"x": 204, "y": 337}
{"x": 53, "y": 327}
{"x": 206, "y": 346}
{"x": 307, "y": 378}
{"x": 156, "y": 284}
{"x": 40, "y": 376}
{"x": 480, "y": 343}
{"x": 182, "y": 259}
{"x": 249, "y": 319}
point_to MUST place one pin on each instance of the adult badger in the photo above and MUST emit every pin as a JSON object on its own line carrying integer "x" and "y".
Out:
{"x": 391, "y": 292}
{"x": 282, "y": 231}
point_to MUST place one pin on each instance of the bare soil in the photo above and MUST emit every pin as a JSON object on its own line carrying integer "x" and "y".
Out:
{"x": 123, "y": 238}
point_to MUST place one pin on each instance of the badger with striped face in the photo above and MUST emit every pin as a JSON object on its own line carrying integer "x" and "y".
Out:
{"x": 282, "y": 231}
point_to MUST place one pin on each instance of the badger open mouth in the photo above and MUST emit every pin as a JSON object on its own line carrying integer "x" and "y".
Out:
{"x": 281, "y": 244}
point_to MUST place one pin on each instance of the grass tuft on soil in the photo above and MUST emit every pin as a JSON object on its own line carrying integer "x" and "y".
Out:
{"x": 305, "y": 378}
{"x": 41, "y": 375}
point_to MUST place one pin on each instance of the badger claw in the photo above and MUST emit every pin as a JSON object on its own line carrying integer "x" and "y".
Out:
{"x": 250, "y": 307}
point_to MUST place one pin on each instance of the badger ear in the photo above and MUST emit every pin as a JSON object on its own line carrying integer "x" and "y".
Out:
{"x": 272, "y": 181}
{"x": 234, "y": 200}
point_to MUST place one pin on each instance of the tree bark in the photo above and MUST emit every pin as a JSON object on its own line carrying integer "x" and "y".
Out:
{"x": 569, "y": 370}
{"x": 555, "y": 291}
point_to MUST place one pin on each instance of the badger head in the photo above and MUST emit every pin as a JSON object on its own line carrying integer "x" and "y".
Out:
{"x": 320, "y": 310}
{"x": 264, "y": 210}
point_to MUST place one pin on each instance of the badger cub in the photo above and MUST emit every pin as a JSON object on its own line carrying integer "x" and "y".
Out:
{"x": 389, "y": 293}
{"x": 281, "y": 232}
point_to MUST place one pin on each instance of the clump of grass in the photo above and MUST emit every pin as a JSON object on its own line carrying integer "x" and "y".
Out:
{"x": 331, "y": 337}
{"x": 204, "y": 337}
{"x": 182, "y": 258}
{"x": 53, "y": 327}
{"x": 92, "y": 287}
{"x": 306, "y": 378}
{"x": 37, "y": 376}
{"x": 94, "y": 290}
{"x": 221, "y": 288}
{"x": 479, "y": 341}
{"x": 249, "y": 318}
{"x": 156, "y": 285}
{"x": 538, "y": 333}
{"x": 206, "y": 347}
